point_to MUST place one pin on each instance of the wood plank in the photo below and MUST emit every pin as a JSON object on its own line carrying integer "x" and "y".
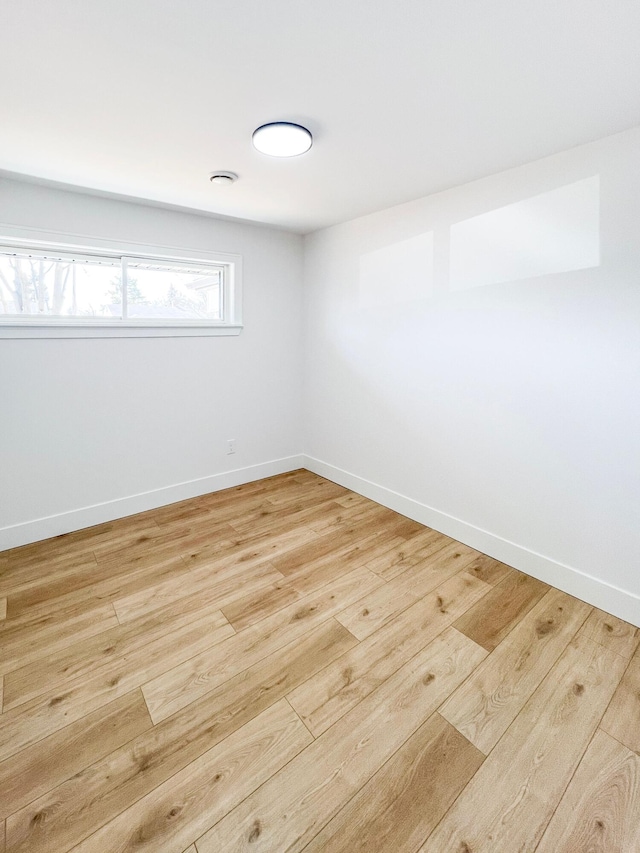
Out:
{"x": 15, "y": 567}
{"x": 102, "y": 791}
{"x": 427, "y": 574}
{"x": 191, "y": 511}
{"x": 154, "y": 544}
{"x": 258, "y": 605}
{"x": 380, "y": 606}
{"x": 144, "y": 562}
{"x": 3, "y": 608}
{"x": 288, "y": 810}
{"x": 55, "y": 557}
{"x": 312, "y": 490}
{"x": 187, "y": 804}
{"x": 254, "y": 547}
{"x": 332, "y": 545}
{"x": 320, "y": 572}
{"x": 489, "y": 570}
{"x": 228, "y": 582}
{"x": 484, "y": 707}
{"x": 86, "y": 658}
{"x": 149, "y": 548}
{"x": 177, "y": 687}
{"x": 1, "y": 693}
{"x": 236, "y": 499}
{"x": 342, "y": 685}
{"x": 112, "y": 584}
{"x": 600, "y": 811}
{"x": 34, "y": 619}
{"x": 489, "y": 622}
{"x": 198, "y": 527}
{"x": 79, "y": 541}
{"x": 375, "y": 610}
{"x": 15, "y": 576}
{"x": 27, "y": 643}
{"x": 299, "y": 487}
{"x": 268, "y": 517}
{"x": 622, "y": 720}
{"x": 35, "y": 720}
{"x": 2, "y": 836}
{"x": 40, "y": 581}
{"x": 250, "y": 548}
{"x": 613, "y": 633}
{"x": 351, "y": 516}
{"x": 399, "y": 806}
{"x": 276, "y": 519}
{"x": 408, "y": 553}
{"x": 531, "y": 765}
{"x": 353, "y": 499}
{"x": 303, "y": 475}
{"x": 289, "y": 492}
{"x": 373, "y": 515}
{"x": 33, "y": 771}
{"x": 316, "y": 573}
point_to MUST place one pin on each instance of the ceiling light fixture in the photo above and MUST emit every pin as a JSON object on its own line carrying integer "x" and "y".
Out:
{"x": 282, "y": 139}
{"x": 223, "y": 179}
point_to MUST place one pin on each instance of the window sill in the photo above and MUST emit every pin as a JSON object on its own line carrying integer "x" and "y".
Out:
{"x": 130, "y": 329}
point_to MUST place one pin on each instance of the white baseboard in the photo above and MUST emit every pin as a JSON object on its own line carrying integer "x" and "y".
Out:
{"x": 619, "y": 602}
{"x": 606, "y": 596}
{"x": 77, "y": 519}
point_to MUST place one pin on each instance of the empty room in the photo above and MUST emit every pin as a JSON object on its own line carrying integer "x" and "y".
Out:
{"x": 320, "y": 426}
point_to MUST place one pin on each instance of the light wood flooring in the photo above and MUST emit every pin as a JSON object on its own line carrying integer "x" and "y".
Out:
{"x": 287, "y": 666}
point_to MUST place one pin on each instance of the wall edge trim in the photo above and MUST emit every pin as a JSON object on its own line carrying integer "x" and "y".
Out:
{"x": 24, "y": 533}
{"x": 608, "y": 597}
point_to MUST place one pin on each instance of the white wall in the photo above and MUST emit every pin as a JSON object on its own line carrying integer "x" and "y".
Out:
{"x": 495, "y": 392}
{"x": 88, "y": 422}
{"x": 471, "y": 358}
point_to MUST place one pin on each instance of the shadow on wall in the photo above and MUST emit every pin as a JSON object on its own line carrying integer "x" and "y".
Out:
{"x": 553, "y": 232}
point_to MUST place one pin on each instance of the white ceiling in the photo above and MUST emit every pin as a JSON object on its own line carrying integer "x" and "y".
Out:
{"x": 404, "y": 97}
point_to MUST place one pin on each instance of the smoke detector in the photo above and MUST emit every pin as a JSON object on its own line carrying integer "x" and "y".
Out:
{"x": 223, "y": 179}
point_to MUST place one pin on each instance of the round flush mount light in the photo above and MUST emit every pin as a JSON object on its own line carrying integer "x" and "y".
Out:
{"x": 282, "y": 139}
{"x": 223, "y": 179}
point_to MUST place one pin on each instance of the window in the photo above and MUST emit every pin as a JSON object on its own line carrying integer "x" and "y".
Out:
{"x": 57, "y": 292}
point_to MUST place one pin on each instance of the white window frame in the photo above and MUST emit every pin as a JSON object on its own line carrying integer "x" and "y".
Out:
{"x": 41, "y": 326}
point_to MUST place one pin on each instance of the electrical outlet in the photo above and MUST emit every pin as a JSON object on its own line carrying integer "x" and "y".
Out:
{"x": 231, "y": 446}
